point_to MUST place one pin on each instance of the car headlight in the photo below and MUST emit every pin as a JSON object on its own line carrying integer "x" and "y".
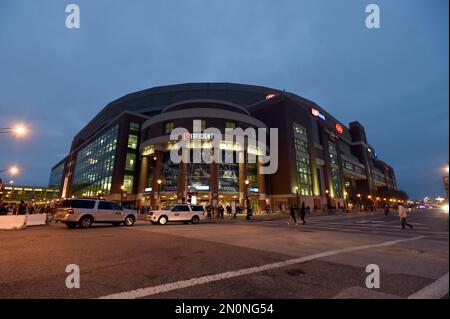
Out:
{"x": 445, "y": 208}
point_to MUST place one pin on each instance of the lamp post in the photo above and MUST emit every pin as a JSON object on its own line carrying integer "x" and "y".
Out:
{"x": 18, "y": 130}
{"x": 327, "y": 192}
{"x": 13, "y": 170}
{"x": 298, "y": 199}
{"x": 359, "y": 201}
{"x": 369, "y": 197}
{"x": 247, "y": 182}
{"x": 159, "y": 190}
{"x": 122, "y": 191}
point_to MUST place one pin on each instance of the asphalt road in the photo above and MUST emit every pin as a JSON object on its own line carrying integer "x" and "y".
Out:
{"x": 326, "y": 258}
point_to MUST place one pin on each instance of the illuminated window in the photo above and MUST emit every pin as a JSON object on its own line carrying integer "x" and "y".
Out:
{"x": 133, "y": 141}
{"x": 168, "y": 127}
{"x": 130, "y": 163}
{"x": 303, "y": 165}
{"x": 128, "y": 181}
{"x": 134, "y": 127}
{"x": 230, "y": 125}
{"x": 94, "y": 165}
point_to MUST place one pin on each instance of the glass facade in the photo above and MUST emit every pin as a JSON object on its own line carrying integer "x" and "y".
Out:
{"x": 170, "y": 172}
{"x": 252, "y": 177}
{"x": 335, "y": 174}
{"x": 56, "y": 176}
{"x": 303, "y": 165}
{"x": 94, "y": 165}
{"x": 229, "y": 174}
{"x": 198, "y": 176}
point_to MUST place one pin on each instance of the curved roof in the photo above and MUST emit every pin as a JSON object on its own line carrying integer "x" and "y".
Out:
{"x": 152, "y": 101}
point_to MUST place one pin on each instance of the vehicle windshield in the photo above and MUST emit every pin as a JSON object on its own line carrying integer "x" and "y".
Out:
{"x": 167, "y": 207}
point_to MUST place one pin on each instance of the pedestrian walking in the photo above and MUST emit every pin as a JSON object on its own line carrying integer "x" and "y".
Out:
{"x": 386, "y": 209}
{"x": 403, "y": 213}
{"x": 303, "y": 213}
{"x": 292, "y": 216}
{"x": 228, "y": 209}
{"x": 221, "y": 211}
{"x": 238, "y": 209}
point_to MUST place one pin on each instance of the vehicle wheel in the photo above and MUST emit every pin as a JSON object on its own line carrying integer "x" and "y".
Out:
{"x": 116, "y": 224}
{"x": 129, "y": 221}
{"x": 71, "y": 225}
{"x": 162, "y": 220}
{"x": 85, "y": 222}
{"x": 195, "y": 220}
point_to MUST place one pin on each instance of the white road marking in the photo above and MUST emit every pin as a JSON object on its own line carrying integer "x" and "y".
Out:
{"x": 436, "y": 290}
{"x": 145, "y": 292}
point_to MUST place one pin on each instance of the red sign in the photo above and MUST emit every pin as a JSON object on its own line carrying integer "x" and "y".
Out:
{"x": 339, "y": 128}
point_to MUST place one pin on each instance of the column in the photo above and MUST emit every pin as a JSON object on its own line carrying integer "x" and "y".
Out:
{"x": 214, "y": 183}
{"x": 157, "y": 174}
{"x": 261, "y": 189}
{"x": 242, "y": 177}
{"x": 182, "y": 183}
{"x": 143, "y": 181}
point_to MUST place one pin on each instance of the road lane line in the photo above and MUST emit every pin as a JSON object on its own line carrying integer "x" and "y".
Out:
{"x": 436, "y": 290}
{"x": 145, "y": 292}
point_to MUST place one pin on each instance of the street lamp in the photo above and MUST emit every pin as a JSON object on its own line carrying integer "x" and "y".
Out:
{"x": 298, "y": 200}
{"x": 19, "y": 130}
{"x": 359, "y": 201}
{"x": 159, "y": 190}
{"x": 122, "y": 191}
{"x": 247, "y": 182}
{"x": 13, "y": 170}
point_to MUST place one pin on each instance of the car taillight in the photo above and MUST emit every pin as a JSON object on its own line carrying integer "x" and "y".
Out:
{"x": 69, "y": 211}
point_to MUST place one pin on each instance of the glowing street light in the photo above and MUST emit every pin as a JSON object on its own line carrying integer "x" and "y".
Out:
{"x": 13, "y": 170}
{"x": 19, "y": 130}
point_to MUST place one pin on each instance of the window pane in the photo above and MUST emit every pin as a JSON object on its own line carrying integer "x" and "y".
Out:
{"x": 132, "y": 141}
{"x": 168, "y": 127}
{"x": 134, "y": 127}
{"x": 105, "y": 205}
{"x": 130, "y": 163}
{"x": 128, "y": 183}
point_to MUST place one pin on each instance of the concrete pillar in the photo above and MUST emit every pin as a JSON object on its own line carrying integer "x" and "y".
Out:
{"x": 143, "y": 181}
{"x": 242, "y": 177}
{"x": 214, "y": 183}
{"x": 182, "y": 182}
{"x": 157, "y": 174}
{"x": 261, "y": 189}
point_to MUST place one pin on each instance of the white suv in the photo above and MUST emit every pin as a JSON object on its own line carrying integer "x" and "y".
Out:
{"x": 85, "y": 212}
{"x": 177, "y": 213}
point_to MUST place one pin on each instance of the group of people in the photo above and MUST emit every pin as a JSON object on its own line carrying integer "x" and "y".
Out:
{"x": 220, "y": 211}
{"x": 294, "y": 210}
{"x": 23, "y": 209}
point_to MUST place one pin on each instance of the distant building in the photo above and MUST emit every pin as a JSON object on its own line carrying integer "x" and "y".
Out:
{"x": 127, "y": 145}
{"x": 16, "y": 193}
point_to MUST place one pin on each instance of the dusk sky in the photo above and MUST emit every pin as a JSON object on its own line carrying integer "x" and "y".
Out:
{"x": 394, "y": 80}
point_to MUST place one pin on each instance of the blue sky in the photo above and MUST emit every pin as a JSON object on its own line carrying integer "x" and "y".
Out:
{"x": 394, "y": 80}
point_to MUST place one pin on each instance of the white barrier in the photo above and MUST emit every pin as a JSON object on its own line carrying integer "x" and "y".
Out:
{"x": 12, "y": 222}
{"x": 35, "y": 219}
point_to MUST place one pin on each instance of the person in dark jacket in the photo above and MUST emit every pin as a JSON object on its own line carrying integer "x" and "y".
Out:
{"x": 221, "y": 211}
{"x": 303, "y": 213}
{"x": 22, "y": 208}
{"x": 292, "y": 216}
{"x": 386, "y": 209}
{"x": 3, "y": 209}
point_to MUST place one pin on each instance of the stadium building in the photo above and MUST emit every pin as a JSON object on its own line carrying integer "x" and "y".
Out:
{"x": 123, "y": 153}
